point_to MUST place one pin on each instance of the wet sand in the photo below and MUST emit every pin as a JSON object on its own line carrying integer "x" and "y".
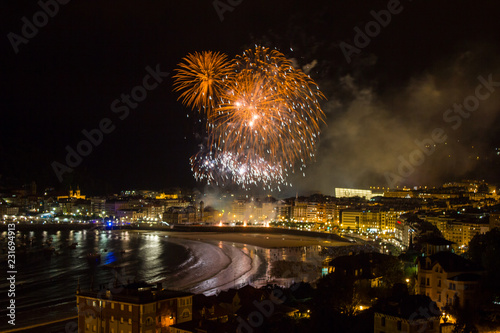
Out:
{"x": 260, "y": 240}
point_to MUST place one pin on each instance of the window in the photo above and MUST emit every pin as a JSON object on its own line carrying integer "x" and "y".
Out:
{"x": 399, "y": 325}
{"x": 130, "y": 308}
{"x": 94, "y": 328}
{"x": 382, "y": 321}
{"x": 439, "y": 297}
{"x": 112, "y": 305}
{"x": 428, "y": 282}
{"x": 439, "y": 283}
{"x": 121, "y": 307}
{"x": 130, "y": 321}
{"x": 121, "y": 320}
{"x": 112, "y": 318}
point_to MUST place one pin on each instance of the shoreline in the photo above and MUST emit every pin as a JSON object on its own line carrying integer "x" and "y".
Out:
{"x": 272, "y": 241}
{"x": 263, "y": 240}
{"x": 187, "y": 229}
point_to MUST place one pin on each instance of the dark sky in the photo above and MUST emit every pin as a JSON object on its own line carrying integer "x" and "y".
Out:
{"x": 64, "y": 79}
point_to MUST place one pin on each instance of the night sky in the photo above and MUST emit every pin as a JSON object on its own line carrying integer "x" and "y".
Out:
{"x": 394, "y": 91}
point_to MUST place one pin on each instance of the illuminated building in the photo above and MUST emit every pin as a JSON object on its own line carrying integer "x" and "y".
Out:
{"x": 445, "y": 277}
{"x": 180, "y": 215}
{"x": 353, "y": 192}
{"x": 372, "y": 220}
{"x": 494, "y": 220}
{"x": 283, "y": 210}
{"x": 403, "y": 233}
{"x": 97, "y": 205}
{"x": 162, "y": 196}
{"x": 136, "y": 307}
{"x": 299, "y": 211}
{"x": 73, "y": 195}
{"x": 458, "y": 231}
{"x": 351, "y": 219}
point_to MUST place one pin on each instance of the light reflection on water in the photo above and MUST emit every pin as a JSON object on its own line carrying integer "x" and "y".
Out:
{"x": 199, "y": 266}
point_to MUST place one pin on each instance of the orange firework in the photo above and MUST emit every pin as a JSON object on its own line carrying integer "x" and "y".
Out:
{"x": 263, "y": 115}
{"x": 201, "y": 78}
{"x": 269, "y": 109}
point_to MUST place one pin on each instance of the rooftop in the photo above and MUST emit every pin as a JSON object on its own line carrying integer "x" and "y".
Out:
{"x": 137, "y": 292}
{"x": 408, "y": 307}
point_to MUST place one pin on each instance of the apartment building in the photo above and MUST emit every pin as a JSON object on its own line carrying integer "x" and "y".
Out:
{"x": 136, "y": 307}
{"x": 445, "y": 277}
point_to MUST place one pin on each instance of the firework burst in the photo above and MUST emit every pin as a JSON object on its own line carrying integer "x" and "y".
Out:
{"x": 226, "y": 168}
{"x": 264, "y": 118}
{"x": 201, "y": 78}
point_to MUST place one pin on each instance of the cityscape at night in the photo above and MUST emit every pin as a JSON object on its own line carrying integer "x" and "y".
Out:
{"x": 250, "y": 166}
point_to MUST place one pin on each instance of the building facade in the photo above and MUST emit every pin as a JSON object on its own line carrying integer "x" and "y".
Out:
{"x": 446, "y": 277}
{"x": 137, "y": 307}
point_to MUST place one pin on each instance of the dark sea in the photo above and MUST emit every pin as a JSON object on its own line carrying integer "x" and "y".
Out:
{"x": 49, "y": 269}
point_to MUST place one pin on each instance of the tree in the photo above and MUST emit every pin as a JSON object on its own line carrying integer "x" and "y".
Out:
{"x": 335, "y": 304}
{"x": 392, "y": 271}
{"x": 484, "y": 250}
{"x": 466, "y": 318}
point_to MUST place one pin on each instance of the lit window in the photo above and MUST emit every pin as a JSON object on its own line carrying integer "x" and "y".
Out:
{"x": 130, "y": 308}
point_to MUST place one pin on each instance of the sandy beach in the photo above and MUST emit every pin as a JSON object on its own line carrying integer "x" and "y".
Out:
{"x": 260, "y": 240}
